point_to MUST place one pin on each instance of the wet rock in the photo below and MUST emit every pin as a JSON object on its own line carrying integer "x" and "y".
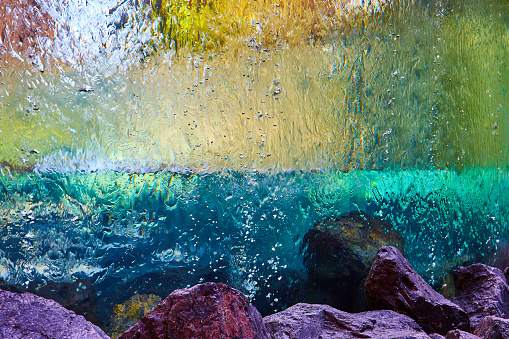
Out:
{"x": 128, "y": 313}
{"x": 493, "y": 328}
{"x": 481, "y": 291}
{"x": 304, "y": 321}
{"x": 209, "y": 310}
{"x": 338, "y": 254}
{"x": 393, "y": 284}
{"x": 117, "y": 290}
{"x": 459, "y": 334}
{"x": 80, "y": 295}
{"x": 29, "y": 316}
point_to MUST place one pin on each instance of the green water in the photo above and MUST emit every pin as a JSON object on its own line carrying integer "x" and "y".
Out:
{"x": 204, "y": 163}
{"x": 107, "y": 224}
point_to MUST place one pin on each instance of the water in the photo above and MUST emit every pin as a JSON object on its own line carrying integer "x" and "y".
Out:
{"x": 206, "y": 151}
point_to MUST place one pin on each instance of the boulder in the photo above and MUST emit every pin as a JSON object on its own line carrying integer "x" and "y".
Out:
{"x": 436, "y": 336}
{"x": 304, "y": 321}
{"x": 459, "y": 334}
{"x": 338, "y": 254}
{"x": 393, "y": 284}
{"x": 209, "y": 310}
{"x": 493, "y": 328}
{"x": 78, "y": 295}
{"x": 25, "y": 315}
{"x": 117, "y": 289}
{"x": 481, "y": 291}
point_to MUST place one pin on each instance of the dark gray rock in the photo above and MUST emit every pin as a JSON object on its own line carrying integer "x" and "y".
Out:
{"x": 481, "y": 290}
{"x": 493, "y": 328}
{"x": 338, "y": 254}
{"x": 305, "y": 321}
{"x": 393, "y": 284}
{"x": 27, "y": 316}
{"x": 459, "y": 334}
{"x": 209, "y": 310}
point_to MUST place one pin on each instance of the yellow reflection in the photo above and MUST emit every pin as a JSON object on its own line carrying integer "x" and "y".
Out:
{"x": 395, "y": 89}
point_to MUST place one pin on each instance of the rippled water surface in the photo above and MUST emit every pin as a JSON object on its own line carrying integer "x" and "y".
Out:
{"x": 157, "y": 144}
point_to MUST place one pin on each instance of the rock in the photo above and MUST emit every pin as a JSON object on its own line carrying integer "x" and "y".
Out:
{"x": 481, "y": 291}
{"x": 393, "y": 284}
{"x": 338, "y": 254}
{"x": 24, "y": 315}
{"x": 304, "y": 321}
{"x": 78, "y": 295}
{"x": 436, "y": 336}
{"x": 209, "y": 310}
{"x": 128, "y": 313}
{"x": 493, "y": 328}
{"x": 459, "y": 334}
{"x": 116, "y": 290}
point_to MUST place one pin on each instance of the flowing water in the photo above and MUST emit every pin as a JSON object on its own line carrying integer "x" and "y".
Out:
{"x": 196, "y": 140}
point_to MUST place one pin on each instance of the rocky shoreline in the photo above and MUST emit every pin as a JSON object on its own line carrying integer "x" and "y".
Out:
{"x": 401, "y": 305}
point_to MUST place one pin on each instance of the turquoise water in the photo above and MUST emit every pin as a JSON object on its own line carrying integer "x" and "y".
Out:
{"x": 109, "y": 225}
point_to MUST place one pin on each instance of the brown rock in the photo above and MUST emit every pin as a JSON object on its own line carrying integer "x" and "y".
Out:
{"x": 459, "y": 334}
{"x": 493, "y": 328}
{"x": 209, "y": 310}
{"x": 338, "y": 254}
{"x": 393, "y": 284}
{"x": 305, "y": 321}
{"x": 481, "y": 291}
{"x": 24, "y": 315}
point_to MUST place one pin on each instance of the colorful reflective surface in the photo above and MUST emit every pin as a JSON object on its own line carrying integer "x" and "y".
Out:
{"x": 206, "y": 138}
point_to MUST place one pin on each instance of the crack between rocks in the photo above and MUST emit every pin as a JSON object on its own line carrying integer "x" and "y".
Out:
{"x": 344, "y": 325}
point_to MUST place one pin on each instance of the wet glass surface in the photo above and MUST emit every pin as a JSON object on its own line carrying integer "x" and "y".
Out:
{"x": 189, "y": 141}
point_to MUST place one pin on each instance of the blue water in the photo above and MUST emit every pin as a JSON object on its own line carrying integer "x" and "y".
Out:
{"x": 117, "y": 228}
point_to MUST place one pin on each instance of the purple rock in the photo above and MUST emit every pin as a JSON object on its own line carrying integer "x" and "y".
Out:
{"x": 24, "y": 315}
{"x": 209, "y": 310}
{"x": 481, "y": 291}
{"x": 393, "y": 284}
{"x": 493, "y": 328}
{"x": 459, "y": 334}
{"x": 305, "y": 321}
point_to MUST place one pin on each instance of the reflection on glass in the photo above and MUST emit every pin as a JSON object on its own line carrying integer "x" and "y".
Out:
{"x": 204, "y": 139}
